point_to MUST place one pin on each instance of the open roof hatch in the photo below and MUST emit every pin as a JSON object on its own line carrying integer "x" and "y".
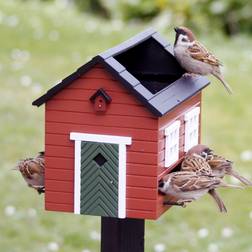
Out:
{"x": 151, "y": 64}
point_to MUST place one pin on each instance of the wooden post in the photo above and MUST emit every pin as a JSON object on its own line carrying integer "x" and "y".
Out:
{"x": 122, "y": 235}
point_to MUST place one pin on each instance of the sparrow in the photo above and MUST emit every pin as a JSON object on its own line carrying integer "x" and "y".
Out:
{"x": 193, "y": 162}
{"x": 194, "y": 57}
{"x": 220, "y": 165}
{"x": 187, "y": 186}
{"x": 33, "y": 171}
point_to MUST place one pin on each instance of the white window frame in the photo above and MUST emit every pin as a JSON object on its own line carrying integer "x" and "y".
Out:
{"x": 192, "y": 119}
{"x": 172, "y": 143}
{"x": 122, "y": 142}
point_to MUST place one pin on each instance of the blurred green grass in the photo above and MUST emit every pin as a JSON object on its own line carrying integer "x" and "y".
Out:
{"x": 44, "y": 42}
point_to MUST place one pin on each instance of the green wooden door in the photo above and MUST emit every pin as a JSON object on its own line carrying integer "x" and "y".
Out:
{"x": 99, "y": 179}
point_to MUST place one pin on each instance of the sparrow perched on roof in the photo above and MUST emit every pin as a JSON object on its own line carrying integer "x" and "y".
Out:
{"x": 193, "y": 162}
{"x": 194, "y": 57}
{"x": 220, "y": 165}
{"x": 33, "y": 171}
{"x": 186, "y": 186}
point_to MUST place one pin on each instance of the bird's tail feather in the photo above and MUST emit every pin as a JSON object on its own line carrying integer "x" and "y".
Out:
{"x": 225, "y": 84}
{"x": 224, "y": 184}
{"x": 218, "y": 201}
{"x": 241, "y": 178}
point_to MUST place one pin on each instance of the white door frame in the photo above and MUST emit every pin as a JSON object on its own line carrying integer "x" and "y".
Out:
{"x": 122, "y": 142}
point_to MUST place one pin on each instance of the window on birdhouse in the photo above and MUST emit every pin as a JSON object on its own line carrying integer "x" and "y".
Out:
{"x": 192, "y": 128}
{"x": 172, "y": 143}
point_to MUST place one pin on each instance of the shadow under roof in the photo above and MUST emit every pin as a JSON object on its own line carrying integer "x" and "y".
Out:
{"x": 145, "y": 65}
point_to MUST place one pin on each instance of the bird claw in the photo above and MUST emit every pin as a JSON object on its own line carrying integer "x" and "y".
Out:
{"x": 189, "y": 75}
{"x": 181, "y": 203}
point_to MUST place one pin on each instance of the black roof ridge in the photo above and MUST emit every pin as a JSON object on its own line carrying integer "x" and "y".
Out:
{"x": 178, "y": 90}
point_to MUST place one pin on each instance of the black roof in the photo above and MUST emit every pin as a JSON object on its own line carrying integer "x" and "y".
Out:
{"x": 145, "y": 65}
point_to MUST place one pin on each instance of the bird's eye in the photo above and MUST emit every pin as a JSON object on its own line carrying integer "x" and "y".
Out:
{"x": 161, "y": 184}
{"x": 184, "y": 40}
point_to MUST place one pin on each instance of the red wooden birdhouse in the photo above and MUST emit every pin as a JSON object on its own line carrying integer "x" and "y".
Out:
{"x": 117, "y": 125}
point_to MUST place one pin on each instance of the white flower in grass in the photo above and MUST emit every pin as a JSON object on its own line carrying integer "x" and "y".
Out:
{"x": 217, "y": 7}
{"x": 246, "y": 155}
{"x": 91, "y": 26}
{"x": 94, "y": 235}
{"x": 20, "y": 55}
{"x": 203, "y": 233}
{"x": 159, "y": 247}
{"x": 213, "y": 247}
{"x": 26, "y": 80}
{"x": 9, "y": 210}
{"x": 53, "y": 246}
{"x": 250, "y": 215}
{"x": 117, "y": 25}
{"x": 36, "y": 88}
{"x": 31, "y": 212}
{"x": 85, "y": 250}
{"x": 227, "y": 232}
{"x": 12, "y": 21}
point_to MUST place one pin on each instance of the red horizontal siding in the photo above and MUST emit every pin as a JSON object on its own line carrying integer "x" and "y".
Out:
{"x": 59, "y": 174}
{"x": 141, "y": 169}
{"x": 87, "y": 107}
{"x": 140, "y": 214}
{"x": 59, "y": 185}
{"x": 141, "y": 204}
{"x": 139, "y": 192}
{"x": 89, "y": 83}
{"x": 59, "y": 151}
{"x": 62, "y": 169}
{"x": 82, "y": 94}
{"x": 98, "y": 72}
{"x": 97, "y": 120}
{"x": 62, "y": 197}
{"x": 59, "y": 163}
{"x": 148, "y": 182}
{"x": 50, "y": 206}
{"x": 137, "y": 146}
{"x": 132, "y": 157}
{"x": 66, "y": 128}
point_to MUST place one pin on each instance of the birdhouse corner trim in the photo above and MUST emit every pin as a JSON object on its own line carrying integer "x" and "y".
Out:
{"x": 97, "y": 138}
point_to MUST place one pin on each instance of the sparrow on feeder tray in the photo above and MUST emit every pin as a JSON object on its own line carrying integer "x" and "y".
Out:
{"x": 196, "y": 163}
{"x": 185, "y": 186}
{"x": 33, "y": 171}
{"x": 220, "y": 165}
{"x": 194, "y": 57}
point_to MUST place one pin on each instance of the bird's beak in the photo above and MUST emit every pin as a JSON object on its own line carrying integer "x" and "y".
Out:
{"x": 176, "y": 29}
{"x": 161, "y": 184}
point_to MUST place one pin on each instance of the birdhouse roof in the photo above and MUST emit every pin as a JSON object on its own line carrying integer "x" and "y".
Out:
{"x": 145, "y": 65}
